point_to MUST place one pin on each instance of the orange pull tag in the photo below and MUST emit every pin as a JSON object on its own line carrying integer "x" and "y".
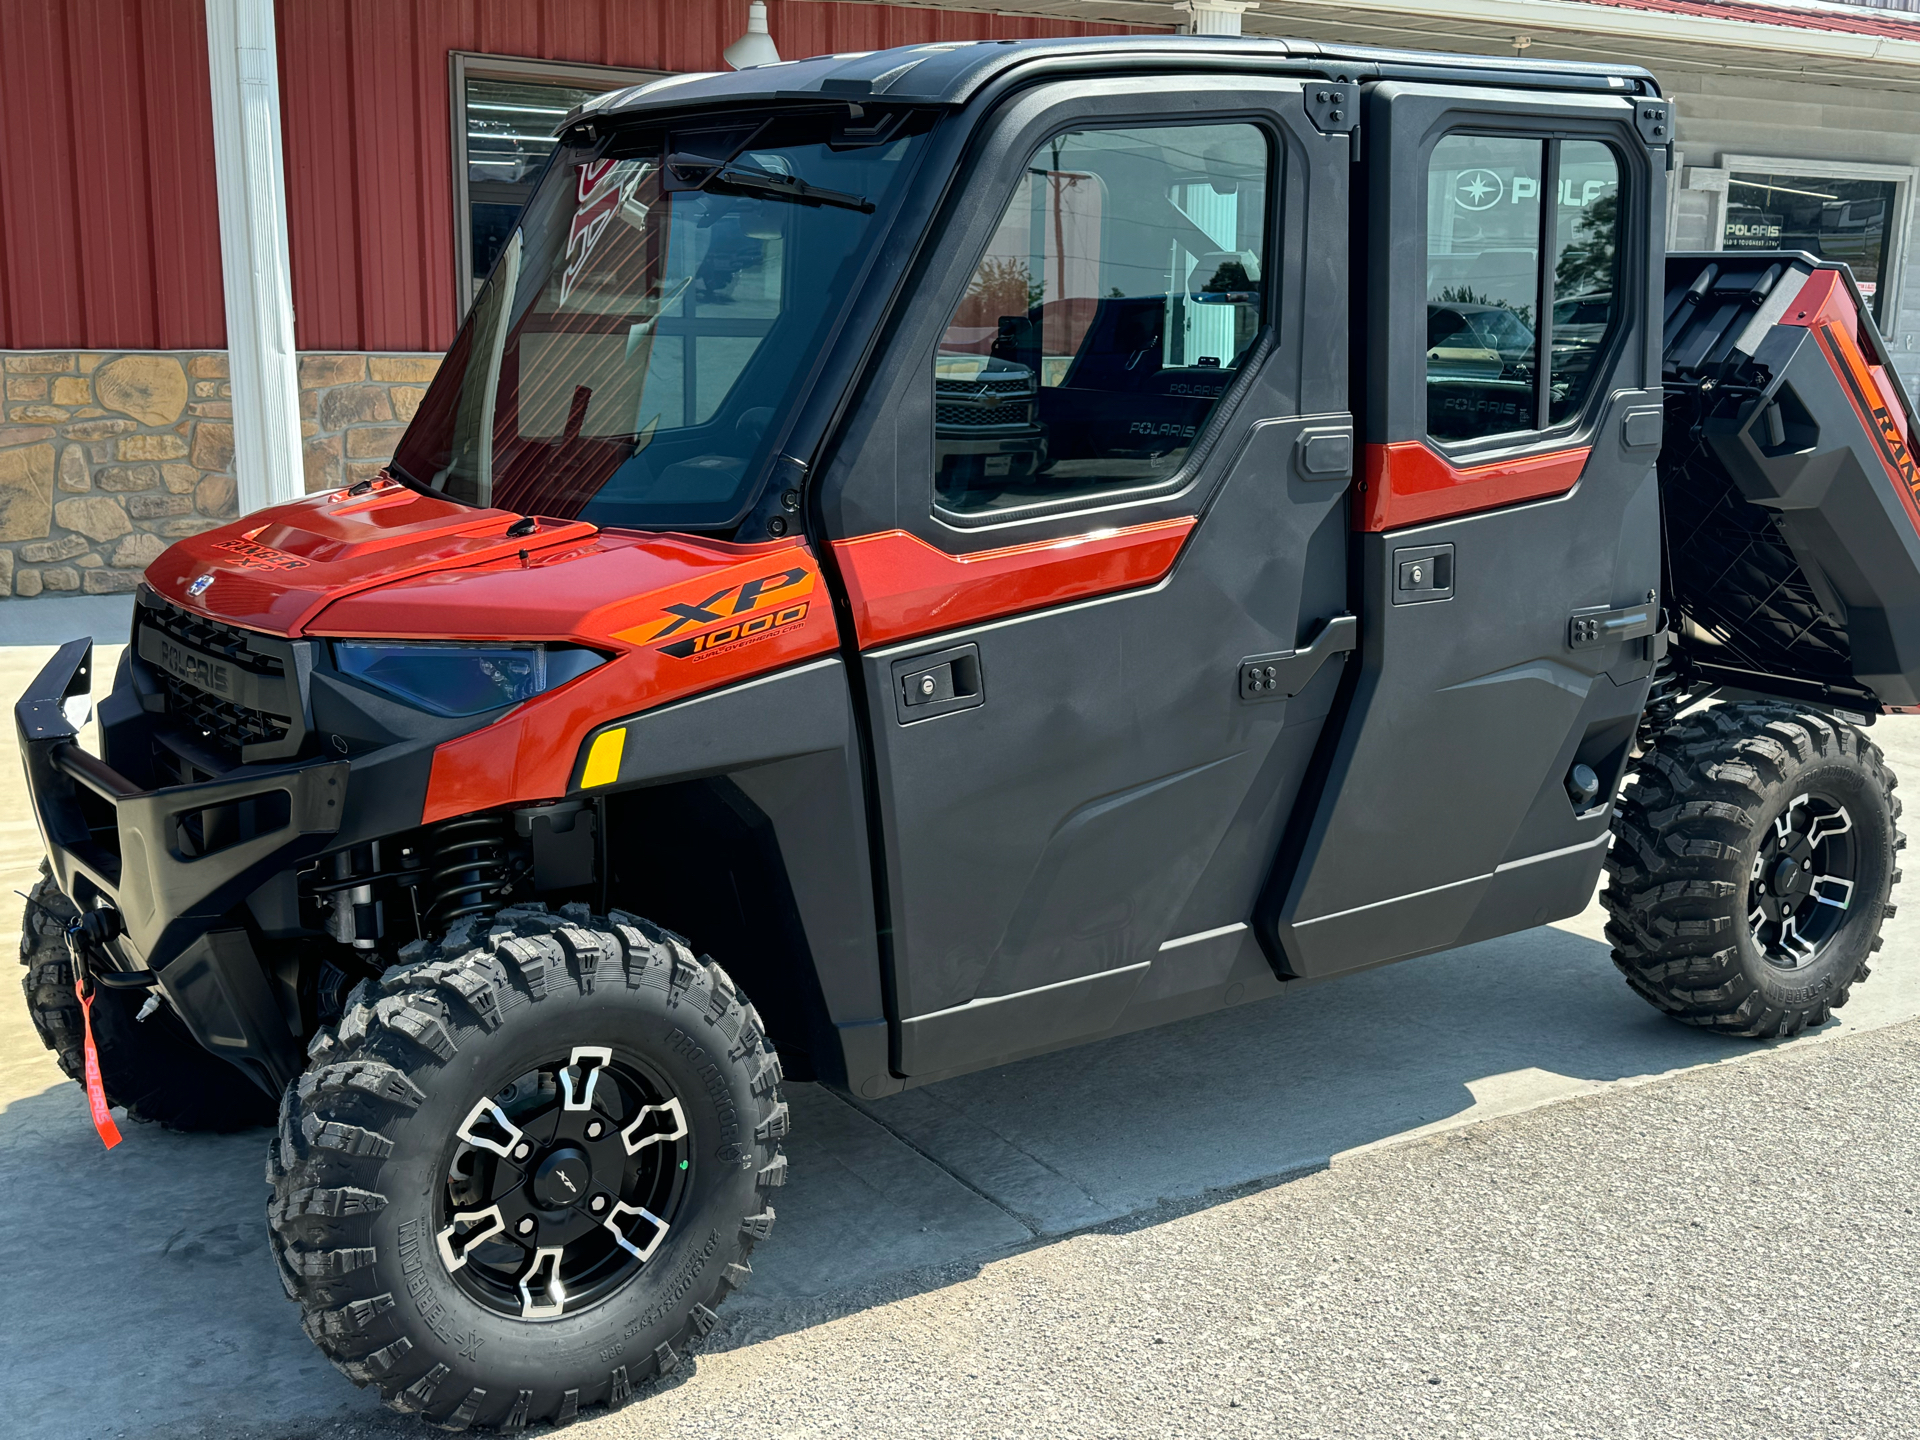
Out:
{"x": 96, "y": 1092}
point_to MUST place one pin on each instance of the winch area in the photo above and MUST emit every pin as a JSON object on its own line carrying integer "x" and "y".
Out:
{"x": 1789, "y": 485}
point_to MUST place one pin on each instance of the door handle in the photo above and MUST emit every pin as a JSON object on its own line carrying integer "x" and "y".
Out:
{"x": 1285, "y": 674}
{"x": 937, "y": 683}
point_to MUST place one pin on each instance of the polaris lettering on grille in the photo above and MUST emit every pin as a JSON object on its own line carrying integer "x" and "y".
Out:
{"x": 194, "y": 669}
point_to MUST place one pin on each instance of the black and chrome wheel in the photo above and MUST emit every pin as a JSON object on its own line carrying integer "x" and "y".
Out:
{"x": 1752, "y": 867}
{"x": 1801, "y": 885}
{"x": 524, "y": 1169}
{"x": 563, "y": 1184}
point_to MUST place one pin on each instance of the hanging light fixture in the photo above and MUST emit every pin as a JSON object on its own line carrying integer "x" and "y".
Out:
{"x": 756, "y": 47}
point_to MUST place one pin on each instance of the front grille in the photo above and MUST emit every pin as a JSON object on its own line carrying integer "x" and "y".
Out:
{"x": 213, "y": 637}
{"x": 218, "y": 722}
{"x": 972, "y": 416}
{"x": 996, "y": 385}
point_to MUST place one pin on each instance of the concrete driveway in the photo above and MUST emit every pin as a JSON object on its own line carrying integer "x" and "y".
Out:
{"x": 156, "y": 1310}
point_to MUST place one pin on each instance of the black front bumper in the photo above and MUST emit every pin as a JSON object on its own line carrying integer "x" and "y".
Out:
{"x": 111, "y": 842}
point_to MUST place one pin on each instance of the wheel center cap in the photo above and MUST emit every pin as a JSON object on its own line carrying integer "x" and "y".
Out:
{"x": 1789, "y": 878}
{"x": 563, "y": 1178}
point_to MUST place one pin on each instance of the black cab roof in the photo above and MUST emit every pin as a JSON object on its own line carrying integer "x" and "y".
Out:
{"x": 951, "y": 73}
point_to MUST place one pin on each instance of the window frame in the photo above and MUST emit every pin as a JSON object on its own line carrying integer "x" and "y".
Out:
{"x": 1606, "y": 355}
{"x": 465, "y": 65}
{"x": 1198, "y": 451}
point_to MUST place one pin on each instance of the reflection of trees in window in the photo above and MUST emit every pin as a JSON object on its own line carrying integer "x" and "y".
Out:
{"x": 1003, "y": 285}
{"x": 1586, "y": 264}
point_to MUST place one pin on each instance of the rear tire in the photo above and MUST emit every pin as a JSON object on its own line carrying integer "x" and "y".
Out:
{"x": 1752, "y": 865}
{"x": 418, "y": 1215}
{"x": 154, "y": 1068}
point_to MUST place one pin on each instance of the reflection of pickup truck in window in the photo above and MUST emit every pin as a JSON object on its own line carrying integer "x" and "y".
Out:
{"x": 1480, "y": 358}
{"x": 985, "y": 418}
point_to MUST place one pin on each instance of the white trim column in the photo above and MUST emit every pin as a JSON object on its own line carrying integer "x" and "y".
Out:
{"x": 1214, "y": 17}
{"x": 263, "y": 369}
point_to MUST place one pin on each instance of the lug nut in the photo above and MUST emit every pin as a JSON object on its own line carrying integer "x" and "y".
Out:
{"x": 523, "y": 1151}
{"x": 599, "y": 1203}
{"x": 1807, "y": 865}
{"x": 527, "y": 1226}
{"x": 593, "y": 1130}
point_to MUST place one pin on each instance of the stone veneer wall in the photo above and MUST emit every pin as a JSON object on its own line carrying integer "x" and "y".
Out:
{"x": 108, "y": 457}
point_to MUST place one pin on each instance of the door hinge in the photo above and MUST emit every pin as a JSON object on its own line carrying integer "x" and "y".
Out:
{"x": 1285, "y": 674}
{"x": 1590, "y": 628}
{"x": 1655, "y": 120}
{"x": 1331, "y": 106}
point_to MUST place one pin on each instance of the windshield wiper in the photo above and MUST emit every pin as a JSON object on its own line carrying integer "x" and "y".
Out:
{"x": 752, "y": 180}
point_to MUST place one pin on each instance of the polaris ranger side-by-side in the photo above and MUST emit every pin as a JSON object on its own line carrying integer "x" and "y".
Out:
{"x": 977, "y": 548}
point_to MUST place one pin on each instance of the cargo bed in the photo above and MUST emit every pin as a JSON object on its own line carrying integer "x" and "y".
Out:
{"x": 1789, "y": 485}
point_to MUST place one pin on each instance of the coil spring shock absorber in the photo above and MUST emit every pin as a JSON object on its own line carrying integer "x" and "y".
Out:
{"x": 466, "y": 869}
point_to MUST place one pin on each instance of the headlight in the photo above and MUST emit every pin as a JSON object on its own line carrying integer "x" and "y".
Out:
{"x": 461, "y": 680}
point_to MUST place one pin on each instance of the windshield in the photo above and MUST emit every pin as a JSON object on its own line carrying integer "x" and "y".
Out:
{"x": 633, "y": 357}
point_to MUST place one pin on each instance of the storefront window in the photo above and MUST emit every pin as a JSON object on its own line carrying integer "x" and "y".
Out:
{"x": 1847, "y": 220}
{"x": 505, "y": 111}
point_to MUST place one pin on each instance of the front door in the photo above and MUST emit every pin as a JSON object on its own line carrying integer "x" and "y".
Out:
{"x": 1088, "y": 513}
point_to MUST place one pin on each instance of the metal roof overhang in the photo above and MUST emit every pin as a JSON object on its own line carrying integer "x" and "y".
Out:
{"x": 1610, "y": 35}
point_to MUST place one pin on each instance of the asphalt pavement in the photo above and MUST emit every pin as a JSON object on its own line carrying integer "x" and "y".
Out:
{"x": 1486, "y": 1170}
{"x": 1730, "y": 1252}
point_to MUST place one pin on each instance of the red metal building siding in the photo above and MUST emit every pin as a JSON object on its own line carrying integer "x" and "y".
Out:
{"x": 109, "y": 232}
{"x": 109, "y": 224}
{"x": 364, "y": 115}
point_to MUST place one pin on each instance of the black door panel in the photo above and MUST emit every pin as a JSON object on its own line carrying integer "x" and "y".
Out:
{"x": 1114, "y": 791}
{"x": 1445, "y": 814}
{"x": 1107, "y": 790}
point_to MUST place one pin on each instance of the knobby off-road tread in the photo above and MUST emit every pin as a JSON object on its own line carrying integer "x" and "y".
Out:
{"x": 152, "y": 1069}
{"x": 372, "y": 1071}
{"x": 1678, "y": 877}
{"x": 48, "y": 982}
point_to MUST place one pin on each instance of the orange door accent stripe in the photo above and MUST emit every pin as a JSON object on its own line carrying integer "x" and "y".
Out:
{"x": 900, "y": 586}
{"x": 1407, "y": 484}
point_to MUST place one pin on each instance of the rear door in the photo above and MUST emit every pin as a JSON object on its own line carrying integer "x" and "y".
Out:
{"x": 1507, "y": 525}
{"x": 1102, "y": 469}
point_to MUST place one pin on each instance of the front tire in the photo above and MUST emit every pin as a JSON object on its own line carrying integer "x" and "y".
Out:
{"x": 154, "y": 1069}
{"x": 526, "y": 1167}
{"x": 1752, "y": 866}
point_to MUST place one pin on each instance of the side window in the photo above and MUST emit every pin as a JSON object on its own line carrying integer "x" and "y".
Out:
{"x": 1511, "y": 343}
{"x": 1117, "y": 299}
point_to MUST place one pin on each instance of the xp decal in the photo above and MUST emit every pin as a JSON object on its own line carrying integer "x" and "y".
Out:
{"x": 738, "y": 633}
{"x": 736, "y": 613}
